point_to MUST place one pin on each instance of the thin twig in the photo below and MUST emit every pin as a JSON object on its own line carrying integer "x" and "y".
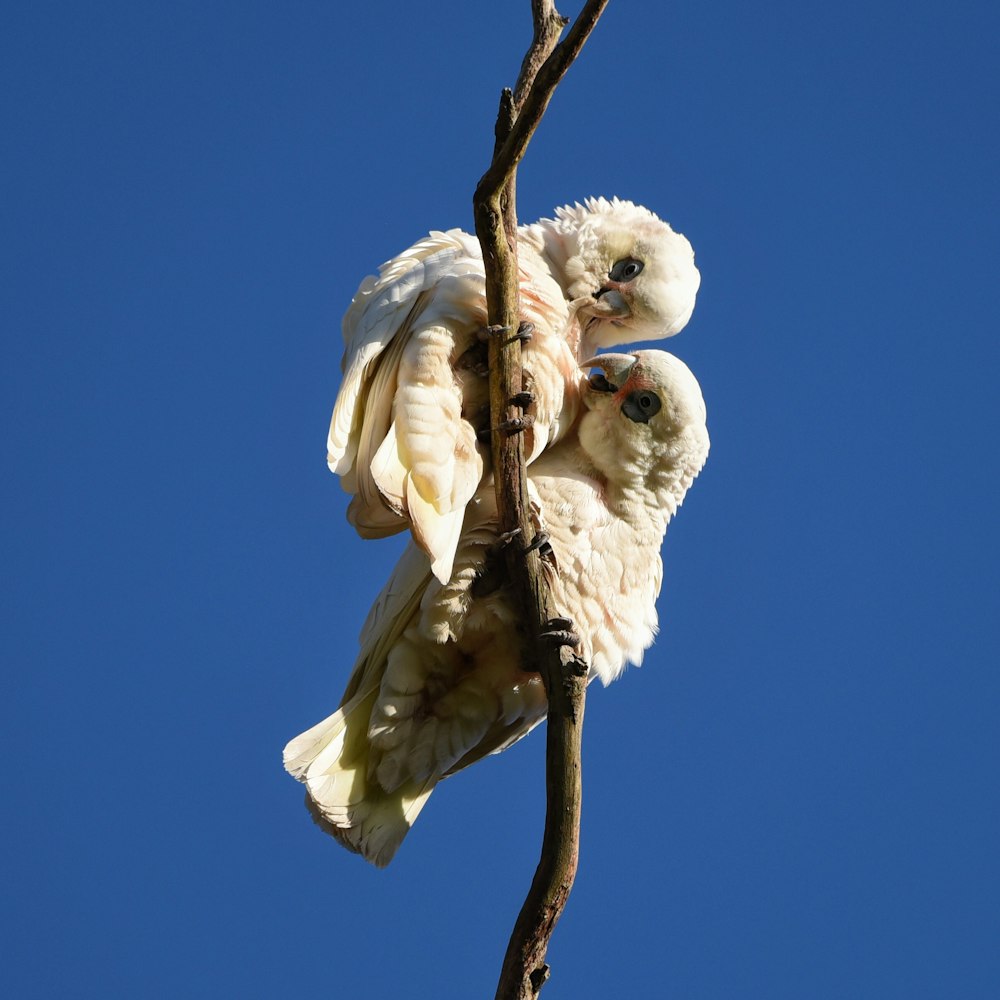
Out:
{"x": 538, "y": 93}
{"x": 548, "y": 26}
{"x": 524, "y": 970}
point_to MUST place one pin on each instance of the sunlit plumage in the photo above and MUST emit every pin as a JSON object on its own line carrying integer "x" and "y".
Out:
{"x": 403, "y": 436}
{"x": 439, "y": 681}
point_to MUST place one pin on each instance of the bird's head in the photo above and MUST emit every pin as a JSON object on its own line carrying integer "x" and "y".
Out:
{"x": 631, "y": 275}
{"x": 646, "y": 418}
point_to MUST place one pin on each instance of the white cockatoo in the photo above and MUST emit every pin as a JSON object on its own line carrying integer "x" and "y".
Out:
{"x": 439, "y": 681}
{"x": 403, "y": 436}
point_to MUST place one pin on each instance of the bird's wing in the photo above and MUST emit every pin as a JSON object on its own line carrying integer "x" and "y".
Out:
{"x": 389, "y": 615}
{"x": 397, "y": 435}
{"x": 382, "y": 308}
{"x": 403, "y": 435}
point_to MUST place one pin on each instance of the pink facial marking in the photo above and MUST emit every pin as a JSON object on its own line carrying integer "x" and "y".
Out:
{"x": 637, "y": 379}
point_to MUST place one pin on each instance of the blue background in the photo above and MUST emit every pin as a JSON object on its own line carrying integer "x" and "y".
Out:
{"x": 796, "y": 796}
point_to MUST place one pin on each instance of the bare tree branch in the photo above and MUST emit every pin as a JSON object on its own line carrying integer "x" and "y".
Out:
{"x": 546, "y": 62}
{"x": 538, "y": 92}
{"x": 548, "y": 26}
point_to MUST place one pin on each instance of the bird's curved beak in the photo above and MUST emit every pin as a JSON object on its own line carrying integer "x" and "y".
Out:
{"x": 616, "y": 368}
{"x": 608, "y": 303}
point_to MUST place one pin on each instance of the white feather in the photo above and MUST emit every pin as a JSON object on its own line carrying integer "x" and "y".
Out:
{"x": 403, "y": 435}
{"x": 439, "y": 681}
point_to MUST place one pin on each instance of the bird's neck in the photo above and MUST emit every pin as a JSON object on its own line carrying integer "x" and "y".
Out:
{"x": 647, "y": 489}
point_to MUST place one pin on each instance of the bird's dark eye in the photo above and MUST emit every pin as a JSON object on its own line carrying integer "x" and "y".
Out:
{"x": 625, "y": 270}
{"x": 640, "y": 405}
{"x": 601, "y": 384}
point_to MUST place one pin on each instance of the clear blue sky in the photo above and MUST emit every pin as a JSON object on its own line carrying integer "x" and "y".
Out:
{"x": 795, "y": 797}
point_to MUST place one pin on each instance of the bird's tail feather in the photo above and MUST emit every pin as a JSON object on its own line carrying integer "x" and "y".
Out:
{"x": 331, "y": 759}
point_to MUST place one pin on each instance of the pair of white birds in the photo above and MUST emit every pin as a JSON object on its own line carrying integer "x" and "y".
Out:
{"x": 439, "y": 681}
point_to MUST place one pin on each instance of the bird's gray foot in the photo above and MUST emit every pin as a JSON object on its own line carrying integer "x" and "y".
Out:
{"x": 540, "y": 542}
{"x": 504, "y": 540}
{"x": 516, "y": 424}
{"x": 487, "y": 333}
{"x": 525, "y": 331}
{"x": 492, "y": 575}
{"x": 559, "y": 632}
{"x": 513, "y": 426}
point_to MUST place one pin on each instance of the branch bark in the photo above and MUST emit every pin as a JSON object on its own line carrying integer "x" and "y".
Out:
{"x": 524, "y": 970}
